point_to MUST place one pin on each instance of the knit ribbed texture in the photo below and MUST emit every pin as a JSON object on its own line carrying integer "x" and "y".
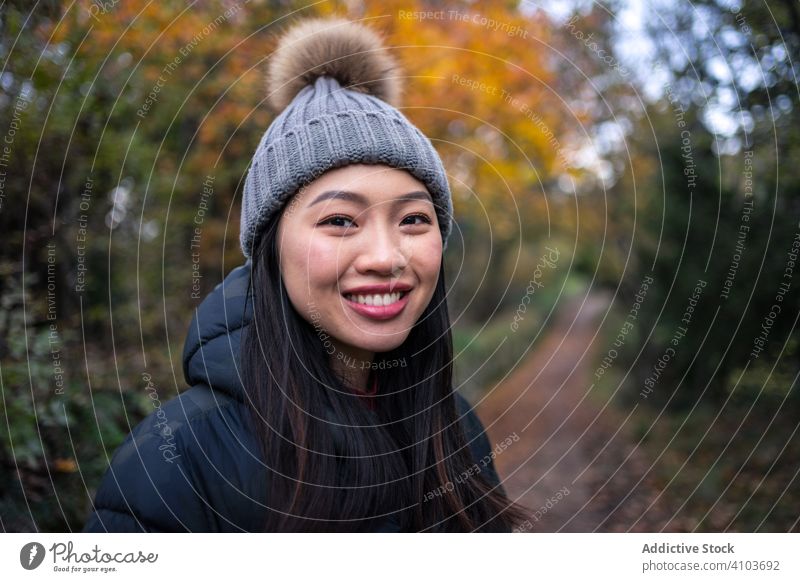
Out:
{"x": 327, "y": 126}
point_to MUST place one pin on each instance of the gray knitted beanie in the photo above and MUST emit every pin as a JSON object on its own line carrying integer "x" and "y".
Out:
{"x": 335, "y": 85}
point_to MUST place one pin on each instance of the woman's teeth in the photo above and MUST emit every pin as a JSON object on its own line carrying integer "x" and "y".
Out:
{"x": 386, "y": 299}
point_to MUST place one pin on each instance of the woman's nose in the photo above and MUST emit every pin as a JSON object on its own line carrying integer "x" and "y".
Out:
{"x": 382, "y": 253}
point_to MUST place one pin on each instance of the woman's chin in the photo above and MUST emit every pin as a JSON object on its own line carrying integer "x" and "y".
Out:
{"x": 379, "y": 343}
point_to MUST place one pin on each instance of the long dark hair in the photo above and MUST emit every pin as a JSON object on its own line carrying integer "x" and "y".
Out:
{"x": 332, "y": 463}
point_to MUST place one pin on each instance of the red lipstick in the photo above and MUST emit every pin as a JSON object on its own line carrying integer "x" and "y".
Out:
{"x": 379, "y": 312}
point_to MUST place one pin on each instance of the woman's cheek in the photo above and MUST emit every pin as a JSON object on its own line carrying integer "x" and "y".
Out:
{"x": 295, "y": 270}
{"x": 428, "y": 256}
{"x": 297, "y": 291}
{"x": 324, "y": 254}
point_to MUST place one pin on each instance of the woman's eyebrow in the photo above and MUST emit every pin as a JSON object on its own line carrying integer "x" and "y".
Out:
{"x": 363, "y": 201}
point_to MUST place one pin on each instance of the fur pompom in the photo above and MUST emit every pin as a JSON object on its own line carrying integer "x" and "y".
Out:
{"x": 350, "y": 52}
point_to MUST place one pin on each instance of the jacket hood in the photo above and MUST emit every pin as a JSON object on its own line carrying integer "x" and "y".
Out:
{"x": 212, "y": 347}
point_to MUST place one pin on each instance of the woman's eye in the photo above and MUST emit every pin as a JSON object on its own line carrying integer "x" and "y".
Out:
{"x": 337, "y": 219}
{"x": 345, "y": 222}
{"x": 425, "y": 219}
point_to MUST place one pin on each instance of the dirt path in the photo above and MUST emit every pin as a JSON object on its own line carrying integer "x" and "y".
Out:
{"x": 571, "y": 450}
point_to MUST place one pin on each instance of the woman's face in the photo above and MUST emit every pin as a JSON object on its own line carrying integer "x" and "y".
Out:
{"x": 360, "y": 251}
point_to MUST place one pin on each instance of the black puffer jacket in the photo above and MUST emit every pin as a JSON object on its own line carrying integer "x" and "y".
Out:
{"x": 192, "y": 465}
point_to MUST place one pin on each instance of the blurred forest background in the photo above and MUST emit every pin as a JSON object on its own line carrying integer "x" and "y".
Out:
{"x": 643, "y": 142}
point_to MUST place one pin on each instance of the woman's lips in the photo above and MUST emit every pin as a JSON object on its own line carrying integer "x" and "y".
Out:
{"x": 380, "y": 312}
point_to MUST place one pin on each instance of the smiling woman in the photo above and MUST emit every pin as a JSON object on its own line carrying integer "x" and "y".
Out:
{"x": 322, "y": 393}
{"x": 364, "y": 258}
